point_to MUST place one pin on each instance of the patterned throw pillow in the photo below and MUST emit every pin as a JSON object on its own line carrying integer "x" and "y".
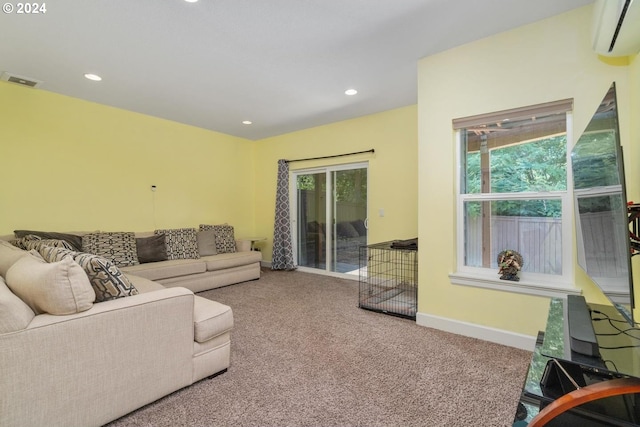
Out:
{"x": 73, "y": 239}
{"x": 181, "y": 243}
{"x": 107, "y": 280}
{"x": 117, "y": 247}
{"x": 31, "y": 241}
{"x": 225, "y": 239}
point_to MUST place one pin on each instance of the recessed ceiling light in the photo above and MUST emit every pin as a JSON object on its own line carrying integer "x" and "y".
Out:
{"x": 350, "y": 92}
{"x": 191, "y": 1}
{"x": 247, "y": 122}
{"x": 94, "y": 77}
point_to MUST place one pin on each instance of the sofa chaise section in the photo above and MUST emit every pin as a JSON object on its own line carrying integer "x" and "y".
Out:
{"x": 94, "y": 366}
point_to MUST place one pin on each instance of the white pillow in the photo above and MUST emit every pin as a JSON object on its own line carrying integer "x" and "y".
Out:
{"x": 56, "y": 288}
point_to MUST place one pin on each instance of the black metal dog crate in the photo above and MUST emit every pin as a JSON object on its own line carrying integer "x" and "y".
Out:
{"x": 389, "y": 278}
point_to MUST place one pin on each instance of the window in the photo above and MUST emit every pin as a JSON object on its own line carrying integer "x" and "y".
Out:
{"x": 514, "y": 193}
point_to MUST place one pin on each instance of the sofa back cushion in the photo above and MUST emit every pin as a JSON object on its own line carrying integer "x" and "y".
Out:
{"x": 56, "y": 288}
{"x": 15, "y": 315}
{"x": 9, "y": 254}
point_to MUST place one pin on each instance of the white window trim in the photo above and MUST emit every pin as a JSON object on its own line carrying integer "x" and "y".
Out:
{"x": 482, "y": 279}
{"x": 530, "y": 283}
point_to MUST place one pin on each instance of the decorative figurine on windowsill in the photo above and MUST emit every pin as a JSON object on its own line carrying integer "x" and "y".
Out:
{"x": 509, "y": 262}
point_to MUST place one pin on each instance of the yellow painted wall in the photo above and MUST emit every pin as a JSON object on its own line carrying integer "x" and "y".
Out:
{"x": 545, "y": 61}
{"x": 392, "y": 174}
{"x": 68, "y": 164}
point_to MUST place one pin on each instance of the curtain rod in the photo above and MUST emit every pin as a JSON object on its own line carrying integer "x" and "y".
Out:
{"x": 335, "y": 155}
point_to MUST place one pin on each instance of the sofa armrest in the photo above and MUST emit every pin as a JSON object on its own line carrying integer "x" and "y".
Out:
{"x": 142, "y": 344}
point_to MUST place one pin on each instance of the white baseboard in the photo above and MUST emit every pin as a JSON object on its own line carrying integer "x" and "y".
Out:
{"x": 499, "y": 336}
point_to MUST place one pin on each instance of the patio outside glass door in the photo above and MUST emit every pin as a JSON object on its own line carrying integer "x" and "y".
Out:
{"x": 331, "y": 217}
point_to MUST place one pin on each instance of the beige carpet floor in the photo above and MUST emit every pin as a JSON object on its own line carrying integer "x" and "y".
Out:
{"x": 304, "y": 354}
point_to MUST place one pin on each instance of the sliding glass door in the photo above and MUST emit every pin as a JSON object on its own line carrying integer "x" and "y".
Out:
{"x": 331, "y": 217}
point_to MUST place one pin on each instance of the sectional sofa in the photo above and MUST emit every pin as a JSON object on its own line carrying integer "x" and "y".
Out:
{"x": 83, "y": 342}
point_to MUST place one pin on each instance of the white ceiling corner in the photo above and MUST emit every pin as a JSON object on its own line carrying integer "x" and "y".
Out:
{"x": 283, "y": 64}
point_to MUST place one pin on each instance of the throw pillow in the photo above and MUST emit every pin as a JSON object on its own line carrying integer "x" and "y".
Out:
{"x": 224, "y": 235}
{"x": 58, "y": 288}
{"x": 206, "y": 242}
{"x": 73, "y": 239}
{"x": 32, "y": 241}
{"x": 181, "y": 243}
{"x": 14, "y": 313}
{"x": 107, "y": 280}
{"x": 151, "y": 249}
{"x": 117, "y": 247}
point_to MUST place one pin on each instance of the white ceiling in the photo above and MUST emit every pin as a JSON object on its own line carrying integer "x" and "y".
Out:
{"x": 283, "y": 64}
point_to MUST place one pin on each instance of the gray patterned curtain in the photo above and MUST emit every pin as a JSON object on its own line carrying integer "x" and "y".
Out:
{"x": 282, "y": 246}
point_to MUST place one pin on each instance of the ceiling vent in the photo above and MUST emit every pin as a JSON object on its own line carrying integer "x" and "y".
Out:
{"x": 616, "y": 27}
{"x": 21, "y": 80}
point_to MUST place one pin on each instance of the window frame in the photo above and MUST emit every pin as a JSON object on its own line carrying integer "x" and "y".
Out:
{"x": 538, "y": 284}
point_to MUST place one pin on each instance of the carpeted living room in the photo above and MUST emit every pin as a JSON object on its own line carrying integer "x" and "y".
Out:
{"x": 193, "y": 191}
{"x": 304, "y": 354}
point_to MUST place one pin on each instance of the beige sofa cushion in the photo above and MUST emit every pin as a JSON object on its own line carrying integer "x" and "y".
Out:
{"x": 144, "y": 285}
{"x": 56, "y": 288}
{"x": 15, "y": 315}
{"x": 9, "y": 254}
{"x": 166, "y": 269}
{"x": 210, "y": 319}
{"x": 230, "y": 260}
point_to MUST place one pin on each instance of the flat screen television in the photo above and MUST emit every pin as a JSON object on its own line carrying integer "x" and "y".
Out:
{"x": 600, "y": 204}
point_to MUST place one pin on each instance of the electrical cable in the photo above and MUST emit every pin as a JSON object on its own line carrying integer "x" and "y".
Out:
{"x": 615, "y": 367}
{"x": 611, "y": 322}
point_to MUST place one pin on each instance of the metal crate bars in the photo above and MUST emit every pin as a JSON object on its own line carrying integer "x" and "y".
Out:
{"x": 389, "y": 278}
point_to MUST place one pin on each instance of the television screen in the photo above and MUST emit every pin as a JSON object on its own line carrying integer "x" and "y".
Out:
{"x": 602, "y": 225}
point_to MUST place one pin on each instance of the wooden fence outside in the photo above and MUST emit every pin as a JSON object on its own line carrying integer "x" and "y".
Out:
{"x": 539, "y": 241}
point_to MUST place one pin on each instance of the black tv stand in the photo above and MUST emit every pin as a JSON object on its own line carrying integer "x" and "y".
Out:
{"x": 582, "y": 336}
{"x": 563, "y": 361}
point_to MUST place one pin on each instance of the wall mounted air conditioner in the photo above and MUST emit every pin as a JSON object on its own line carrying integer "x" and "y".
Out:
{"x": 616, "y": 27}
